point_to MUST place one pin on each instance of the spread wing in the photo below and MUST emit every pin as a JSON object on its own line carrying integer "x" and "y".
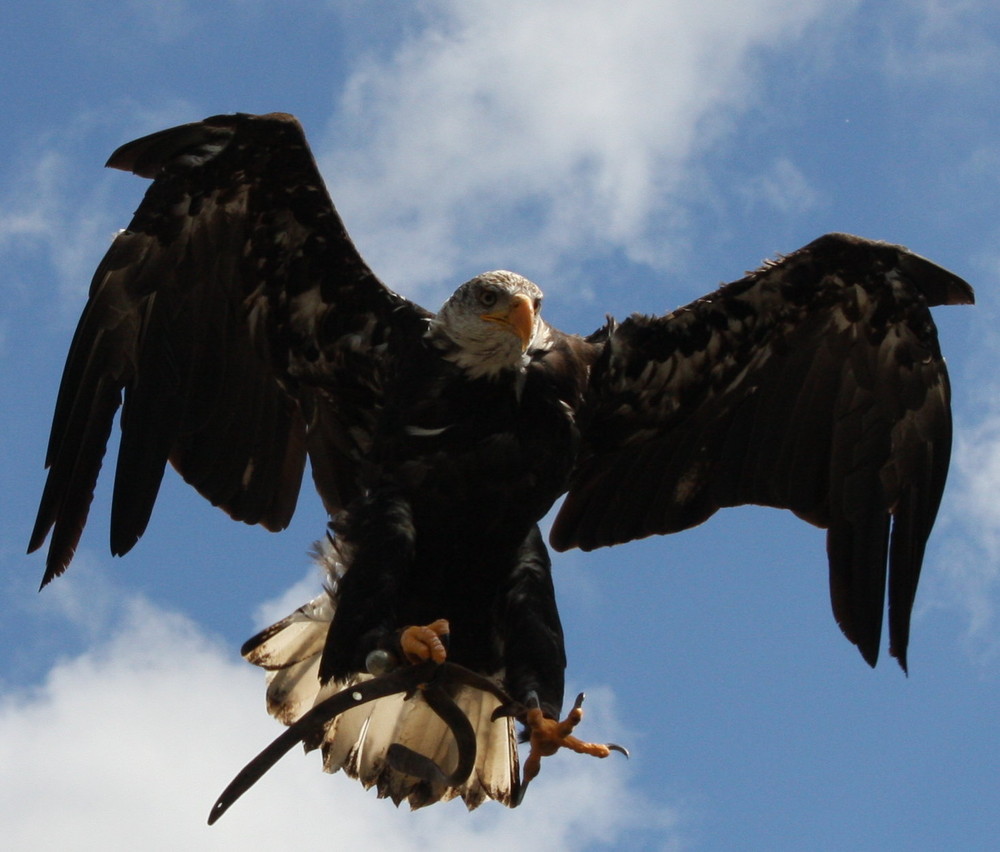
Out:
{"x": 242, "y": 326}
{"x": 814, "y": 384}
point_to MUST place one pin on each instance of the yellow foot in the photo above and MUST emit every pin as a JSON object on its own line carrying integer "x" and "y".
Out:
{"x": 420, "y": 643}
{"x": 547, "y": 736}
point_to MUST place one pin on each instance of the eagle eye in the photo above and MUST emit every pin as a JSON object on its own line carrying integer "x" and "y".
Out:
{"x": 488, "y": 298}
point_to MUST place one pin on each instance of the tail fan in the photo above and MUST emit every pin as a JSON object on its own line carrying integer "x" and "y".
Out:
{"x": 366, "y": 741}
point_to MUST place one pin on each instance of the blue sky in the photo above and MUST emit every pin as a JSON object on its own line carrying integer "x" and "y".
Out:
{"x": 626, "y": 157}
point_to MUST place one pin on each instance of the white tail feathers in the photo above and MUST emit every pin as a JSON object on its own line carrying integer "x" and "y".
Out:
{"x": 358, "y": 740}
{"x": 290, "y": 652}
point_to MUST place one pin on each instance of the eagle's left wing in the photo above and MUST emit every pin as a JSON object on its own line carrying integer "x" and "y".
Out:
{"x": 242, "y": 327}
{"x": 814, "y": 384}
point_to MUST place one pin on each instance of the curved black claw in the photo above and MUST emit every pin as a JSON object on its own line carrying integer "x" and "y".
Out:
{"x": 613, "y": 746}
{"x": 431, "y": 678}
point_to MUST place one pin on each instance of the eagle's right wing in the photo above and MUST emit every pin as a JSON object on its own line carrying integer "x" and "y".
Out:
{"x": 243, "y": 327}
{"x": 814, "y": 384}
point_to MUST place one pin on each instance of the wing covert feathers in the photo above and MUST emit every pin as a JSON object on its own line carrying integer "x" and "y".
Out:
{"x": 814, "y": 384}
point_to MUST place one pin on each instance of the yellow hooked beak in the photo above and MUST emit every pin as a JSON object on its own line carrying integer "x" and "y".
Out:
{"x": 517, "y": 317}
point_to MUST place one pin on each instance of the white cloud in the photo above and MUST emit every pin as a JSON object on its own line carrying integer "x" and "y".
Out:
{"x": 783, "y": 187}
{"x": 941, "y": 39}
{"x": 290, "y": 600}
{"x": 540, "y": 130}
{"x": 44, "y": 216}
{"x": 36, "y": 211}
{"x": 59, "y": 207}
{"x": 128, "y": 744}
{"x": 977, "y": 459}
{"x": 971, "y": 516}
{"x": 165, "y": 21}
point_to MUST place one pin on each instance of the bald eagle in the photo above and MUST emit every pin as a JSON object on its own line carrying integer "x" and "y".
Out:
{"x": 248, "y": 334}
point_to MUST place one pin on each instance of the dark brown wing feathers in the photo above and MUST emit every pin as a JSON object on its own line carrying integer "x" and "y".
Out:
{"x": 814, "y": 384}
{"x": 235, "y": 275}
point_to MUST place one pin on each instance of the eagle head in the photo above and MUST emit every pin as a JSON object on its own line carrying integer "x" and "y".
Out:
{"x": 490, "y": 324}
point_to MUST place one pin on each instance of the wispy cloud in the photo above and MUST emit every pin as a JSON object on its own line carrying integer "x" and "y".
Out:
{"x": 135, "y": 736}
{"x": 971, "y": 520}
{"x": 541, "y": 131}
{"x": 36, "y": 213}
{"x": 939, "y": 38}
{"x": 783, "y": 187}
{"x": 966, "y": 544}
{"x": 165, "y": 21}
{"x": 291, "y": 599}
{"x": 57, "y": 207}
{"x": 47, "y": 216}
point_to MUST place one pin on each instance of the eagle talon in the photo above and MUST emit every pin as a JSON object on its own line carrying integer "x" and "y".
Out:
{"x": 547, "y": 736}
{"x": 425, "y": 642}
